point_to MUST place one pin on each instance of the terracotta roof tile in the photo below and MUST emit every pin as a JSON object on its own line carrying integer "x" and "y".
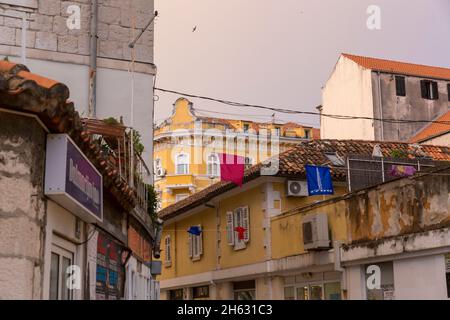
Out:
{"x": 400, "y": 67}
{"x": 433, "y": 129}
{"x": 292, "y": 162}
{"x": 48, "y": 99}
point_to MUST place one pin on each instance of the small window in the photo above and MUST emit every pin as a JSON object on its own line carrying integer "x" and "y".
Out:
{"x": 158, "y": 165}
{"x": 182, "y": 163}
{"x": 277, "y": 131}
{"x": 308, "y": 134}
{"x": 196, "y": 245}
{"x": 448, "y": 91}
{"x": 248, "y": 162}
{"x": 177, "y": 294}
{"x": 400, "y": 86}
{"x": 246, "y": 127}
{"x": 167, "y": 245}
{"x": 429, "y": 89}
{"x": 244, "y": 290}
{"x": 181, "y": 196}
{"x": 200, "y": 292}
{"x": 213, "y": 165}
{"x": 335, "y": 159}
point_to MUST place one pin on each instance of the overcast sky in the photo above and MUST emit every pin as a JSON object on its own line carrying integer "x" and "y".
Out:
{"x": 281, "y": 52}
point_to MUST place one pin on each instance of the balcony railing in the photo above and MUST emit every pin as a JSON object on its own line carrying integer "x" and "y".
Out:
{"x": 115, "y": 141}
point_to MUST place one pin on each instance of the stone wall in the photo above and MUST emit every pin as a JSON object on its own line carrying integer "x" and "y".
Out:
{"x": 22, "y": 207}
{"x": 48, "y": 29}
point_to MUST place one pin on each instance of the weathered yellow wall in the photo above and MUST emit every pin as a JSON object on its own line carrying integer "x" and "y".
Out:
{"x": 400, "y": 207}
{"x": 286, "y": 230}
{"x": 181, "y": 262}
{"x": 254, "y": 252}
{"x": 286, "y": 233}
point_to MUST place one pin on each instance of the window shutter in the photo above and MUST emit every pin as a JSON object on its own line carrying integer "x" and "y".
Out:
{"x": 400, "y": 86}
{"x": 200, "y": 242}
{"x": 423, "y": 88}
{"x": 246, "y": 223}
{"x": 168, "y": 257}
{"x": 230, "y": 228}
{"x": 435, "y": 90}
{"x": 237, "y": 223}
{"x": 190, "y": 243}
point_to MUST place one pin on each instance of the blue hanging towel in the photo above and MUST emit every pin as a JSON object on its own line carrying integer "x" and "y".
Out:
{"x": 195, "y": 230}
{"x": 319, "y": 180}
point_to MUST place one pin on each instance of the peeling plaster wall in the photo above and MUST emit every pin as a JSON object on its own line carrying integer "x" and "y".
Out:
{"x": 412, "y": 106}
{"x": 398, "y": 208}
{"x": 22, "y": 207}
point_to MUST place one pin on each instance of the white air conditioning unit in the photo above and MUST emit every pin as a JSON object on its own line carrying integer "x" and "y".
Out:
{"x": 315, "y": 232}
{"x": 297, "y": 188}
{"x": 160, "y": 172}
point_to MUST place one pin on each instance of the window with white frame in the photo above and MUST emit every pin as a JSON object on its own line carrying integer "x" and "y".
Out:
{"x": 248, "y": 162}
{"x": 213, "y": 165}
{"x": 238, "y": 227}
{"x": 196, "y": 245}
{"x": 158, "y": 166}
{"x": 61, "y": 260}
{"x": 168, "y": 256}
{"x": 181, "y": 196}
{"x": 182, "y": 163}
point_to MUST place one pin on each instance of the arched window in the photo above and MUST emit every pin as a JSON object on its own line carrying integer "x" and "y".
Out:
{"x": 213, "y": 165}
{"x": 182, "y": 163}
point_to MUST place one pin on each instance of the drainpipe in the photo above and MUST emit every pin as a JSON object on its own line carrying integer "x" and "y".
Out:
{"x": 337, "y": 245}
{"x": 93, "y": 61}
{"x": 380, "y": 106}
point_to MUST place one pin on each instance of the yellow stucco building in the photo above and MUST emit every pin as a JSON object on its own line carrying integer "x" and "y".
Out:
{"x": 186, "y": 147}
{"x": 288, "y": 249}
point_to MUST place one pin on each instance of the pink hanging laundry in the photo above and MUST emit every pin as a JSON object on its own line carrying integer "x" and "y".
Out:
{"x": 232, "y": 168}
{"x": 402, "y": 171}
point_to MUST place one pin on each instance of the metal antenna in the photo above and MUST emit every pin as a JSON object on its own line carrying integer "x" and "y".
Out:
{"x": 132, "y": 44}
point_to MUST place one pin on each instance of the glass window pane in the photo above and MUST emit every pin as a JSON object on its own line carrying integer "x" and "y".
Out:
{"x": 289, "y": 293}
{"x": 316, "y": 292}
{"x": 54, "y": 276}
{"x": 302, "y": 293}
{"x": 65, "y": 292}
{"x": 245, "y": 295}
{"x": 333, "y": 291}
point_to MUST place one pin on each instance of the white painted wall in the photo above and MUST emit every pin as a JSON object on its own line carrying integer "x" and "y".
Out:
{"x": 138, "y": 285}
{"x": 113, "y": 94}
{"x": 348, "y": 92}
{"x": 420, "y": 278}
{"x": 355, "y": 283}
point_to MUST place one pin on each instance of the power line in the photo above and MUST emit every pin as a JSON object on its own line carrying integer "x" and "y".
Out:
{"x": 255, "y": 116}
{"x": 290, "y": 111}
